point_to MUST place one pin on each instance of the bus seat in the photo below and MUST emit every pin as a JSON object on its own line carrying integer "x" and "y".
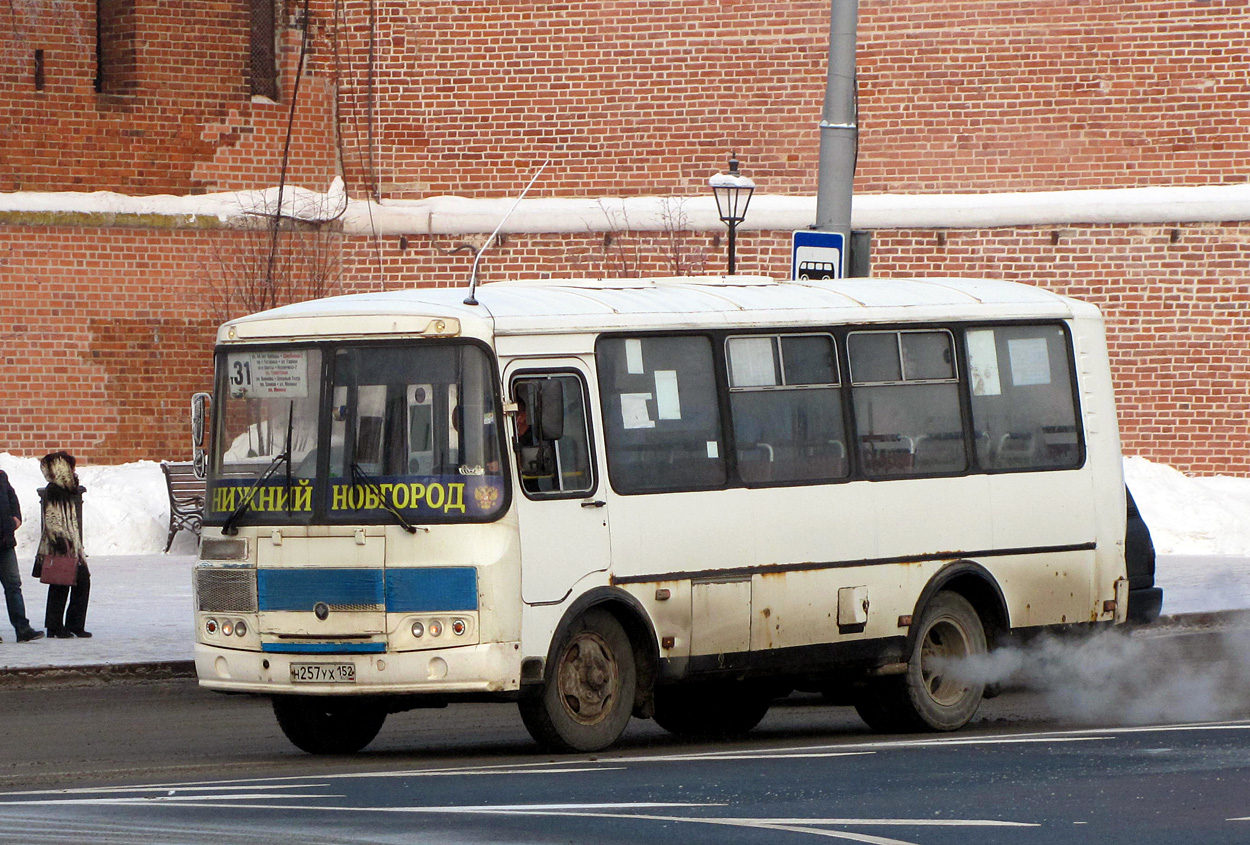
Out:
{"x": 941, "y": 452}
{"x": 1015, "y": 449}
{"x": 755, "y": 464}
{"x": 886, "y": 454}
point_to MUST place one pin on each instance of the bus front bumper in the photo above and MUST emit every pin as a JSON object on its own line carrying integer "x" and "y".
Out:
{"x": 483, "y": 668}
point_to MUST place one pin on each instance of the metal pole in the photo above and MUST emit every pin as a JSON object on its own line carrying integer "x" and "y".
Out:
{"x": 733, "y": 230}
{"x": 839, "y": 125}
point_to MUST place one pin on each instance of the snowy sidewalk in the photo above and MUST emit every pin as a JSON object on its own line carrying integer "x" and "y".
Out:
{"x": 140, "y": 612}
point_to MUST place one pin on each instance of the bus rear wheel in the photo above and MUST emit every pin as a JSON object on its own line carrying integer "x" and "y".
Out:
{"x": 711, "y": 710}
{"x": 932, "y": 694}
{"x": 588, "y": 694}
{"x": 325, "y": 725}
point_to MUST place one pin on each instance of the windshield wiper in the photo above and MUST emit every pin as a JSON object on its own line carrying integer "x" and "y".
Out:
{"x": 228, "y": 527}
{"x": 372, "y": 486}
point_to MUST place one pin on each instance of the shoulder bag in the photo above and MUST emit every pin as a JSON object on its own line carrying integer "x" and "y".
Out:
{"x": 59, "y": 569}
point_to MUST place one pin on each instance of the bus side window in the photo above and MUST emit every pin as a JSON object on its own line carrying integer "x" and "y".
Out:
{"x": 786, "y": 408}
{"x": 905, "y": 392}
{"x": 551, "y": 436}
{"x": 661, "y": 413}
{"x": 1022, "y": 398}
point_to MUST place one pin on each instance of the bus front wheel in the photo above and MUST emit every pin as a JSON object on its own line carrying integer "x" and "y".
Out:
{"x": 326, "y": 725}
{"x": 933, "y": 694}
{"x": 588, "y": 694}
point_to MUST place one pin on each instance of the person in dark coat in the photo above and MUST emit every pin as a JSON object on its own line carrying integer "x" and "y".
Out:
{"x": 62, "y": 534}
{"x": 10, "y": 577}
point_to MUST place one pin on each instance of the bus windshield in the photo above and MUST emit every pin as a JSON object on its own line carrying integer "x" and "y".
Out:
{"x": 360, "y": 433}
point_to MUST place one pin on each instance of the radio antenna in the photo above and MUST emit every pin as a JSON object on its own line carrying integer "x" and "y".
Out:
{"x": 471, "y": 299}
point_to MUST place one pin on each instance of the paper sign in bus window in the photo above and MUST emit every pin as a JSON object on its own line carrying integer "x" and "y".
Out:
{"x": 667, "y": 401}
{"x": 634, "y": 412}
{"x": 752, "y": 362}
{"x": 268, "y": 375}
{"x": 633, "y": 356}
{"x": 1030, "y": 362}
{"x": 983, "y": 363}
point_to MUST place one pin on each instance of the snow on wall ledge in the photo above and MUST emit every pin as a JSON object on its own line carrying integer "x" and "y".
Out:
{"x": 452, "y": 215}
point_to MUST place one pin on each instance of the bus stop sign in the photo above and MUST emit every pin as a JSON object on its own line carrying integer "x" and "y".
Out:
{"x": 818, "y": 255}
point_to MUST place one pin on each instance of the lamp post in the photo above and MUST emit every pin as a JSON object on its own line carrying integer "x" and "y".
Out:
{"x": 733, "y": 194}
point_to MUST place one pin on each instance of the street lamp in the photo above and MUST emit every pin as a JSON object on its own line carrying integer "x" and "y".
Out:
{"x": 733, "y": 194}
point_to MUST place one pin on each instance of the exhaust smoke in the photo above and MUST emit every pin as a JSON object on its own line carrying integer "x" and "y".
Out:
{"x": 1125, "y": 677}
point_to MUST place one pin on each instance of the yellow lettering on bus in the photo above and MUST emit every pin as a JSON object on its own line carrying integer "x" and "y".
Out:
{"x": 303, "y": 496}
{"x": 340, "y": 501}
{"x": 399, "y": 494}
{"x": 430, "y": 490}
{"x": 455, "y": 498}
{"x": 223, "y": 498}
{"x": 418, "y": 493}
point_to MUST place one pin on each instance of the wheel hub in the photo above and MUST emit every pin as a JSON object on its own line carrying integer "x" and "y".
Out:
{"x": 945, "y": 642}
{"x": 588, "y": 678}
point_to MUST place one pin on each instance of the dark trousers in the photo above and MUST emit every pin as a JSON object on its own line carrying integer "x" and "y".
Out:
{"x": 73, "y": 619}
{"x": 12, "y": 581}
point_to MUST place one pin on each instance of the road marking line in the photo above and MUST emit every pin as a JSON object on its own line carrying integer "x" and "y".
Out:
{"x": 172, "y": 787}
{"x": 618, "y": 762}
{"x": 589, "y": 811}
{"x": 206, "y": 800}
{"x": 895, "y": 822}
{"x": 739, "y": 755}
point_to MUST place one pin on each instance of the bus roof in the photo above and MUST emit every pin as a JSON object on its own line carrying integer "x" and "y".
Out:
{"x": 589, "y": 305}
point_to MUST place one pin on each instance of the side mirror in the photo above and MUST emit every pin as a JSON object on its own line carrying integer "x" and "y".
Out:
{"x": 200, "y": 405}
{"x": 548, "y": 416}
{"x": 544, "y": 403}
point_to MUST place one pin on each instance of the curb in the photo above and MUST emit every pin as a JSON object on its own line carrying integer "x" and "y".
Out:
{"x": 1198, "y": 621}
{"x": 95, "y": 675}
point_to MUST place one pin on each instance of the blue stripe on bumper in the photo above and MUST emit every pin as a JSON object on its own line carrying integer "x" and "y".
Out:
{"x": 323, "y": 648}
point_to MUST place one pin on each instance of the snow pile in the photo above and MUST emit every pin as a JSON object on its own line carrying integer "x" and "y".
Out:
{"x": 125, "y": 509}
{"x": 1191, "y": 516}
{"x": 228, "y": 207}
{"x": 454, "y": 215}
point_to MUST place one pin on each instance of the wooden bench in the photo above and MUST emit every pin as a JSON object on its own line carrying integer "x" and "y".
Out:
{"x": 186, "y": 498}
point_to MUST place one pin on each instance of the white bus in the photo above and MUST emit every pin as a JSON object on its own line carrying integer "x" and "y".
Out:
{"x": 665, "y": 498}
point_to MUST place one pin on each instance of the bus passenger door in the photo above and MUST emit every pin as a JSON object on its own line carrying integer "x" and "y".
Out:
{"x": 562, "y": 512}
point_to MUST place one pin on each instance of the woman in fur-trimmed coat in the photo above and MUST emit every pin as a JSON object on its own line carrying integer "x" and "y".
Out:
{"x": 62, "y": 534}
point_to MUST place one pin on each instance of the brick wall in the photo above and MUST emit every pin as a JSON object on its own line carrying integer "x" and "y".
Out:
{"x": 102, "y": 350}
{"x": 627, "y": 97}
{"x": 106, "y": 329}
{"x": 176, "y": 116}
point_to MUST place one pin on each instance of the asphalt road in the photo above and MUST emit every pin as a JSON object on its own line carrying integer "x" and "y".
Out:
{"x": 1125, "y": 743}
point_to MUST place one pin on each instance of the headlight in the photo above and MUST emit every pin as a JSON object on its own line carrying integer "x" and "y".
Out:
{"x": 418, "y": 630}
{"x": 240, "y": 628}
{"x": 436, "y": 628}
{"x": 458, "y": 627}
{"x": 227, "y": 627}
{"x": 210, "y": 625}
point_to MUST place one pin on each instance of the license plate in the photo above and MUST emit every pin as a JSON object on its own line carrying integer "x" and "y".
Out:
{"x": 323, "y": 673}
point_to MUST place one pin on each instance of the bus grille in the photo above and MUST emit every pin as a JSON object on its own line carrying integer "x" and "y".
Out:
{"x": 226, "y": 590}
